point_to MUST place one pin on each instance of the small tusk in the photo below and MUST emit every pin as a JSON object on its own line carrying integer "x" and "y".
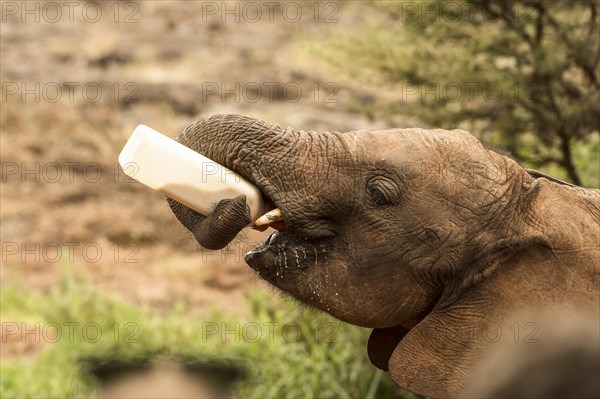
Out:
{"x": 270, "y": 217}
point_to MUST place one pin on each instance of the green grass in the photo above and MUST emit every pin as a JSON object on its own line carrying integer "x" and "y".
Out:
{"x": 328, "y": 359}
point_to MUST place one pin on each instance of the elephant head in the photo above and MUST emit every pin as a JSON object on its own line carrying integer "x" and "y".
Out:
{"x": 423, "y": 235}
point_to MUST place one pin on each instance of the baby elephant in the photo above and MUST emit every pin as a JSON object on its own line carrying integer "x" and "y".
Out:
{"x": 446, "y": 249}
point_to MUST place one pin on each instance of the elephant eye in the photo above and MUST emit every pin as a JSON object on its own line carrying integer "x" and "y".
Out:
{"x": 383, "y": 191}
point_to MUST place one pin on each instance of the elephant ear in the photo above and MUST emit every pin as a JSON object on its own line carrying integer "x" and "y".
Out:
{"x": 382, "y": 343}
{"x": 424, "y": 361}
{"x": 403, "y": 353}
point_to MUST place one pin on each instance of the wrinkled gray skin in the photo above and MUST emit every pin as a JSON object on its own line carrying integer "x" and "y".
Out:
{"x": 423, "y": 235}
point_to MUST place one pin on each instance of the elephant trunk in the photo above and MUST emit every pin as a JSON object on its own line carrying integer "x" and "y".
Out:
{"x": 257, "y": 151}
{"x": 238, "y": 142}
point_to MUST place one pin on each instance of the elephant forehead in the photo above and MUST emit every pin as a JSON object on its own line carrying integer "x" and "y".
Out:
{"x": 419, "y": 144}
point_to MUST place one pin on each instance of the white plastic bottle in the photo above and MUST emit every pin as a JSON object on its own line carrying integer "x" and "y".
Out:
{"x": 183, "y": 174}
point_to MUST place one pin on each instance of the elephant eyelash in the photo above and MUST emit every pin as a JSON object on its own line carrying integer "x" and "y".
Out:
{"x": 378, "y": 196}
{"x": 383, "y": 191}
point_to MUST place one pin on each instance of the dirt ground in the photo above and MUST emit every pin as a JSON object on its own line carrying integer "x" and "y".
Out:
{"x": 72, "y": 92}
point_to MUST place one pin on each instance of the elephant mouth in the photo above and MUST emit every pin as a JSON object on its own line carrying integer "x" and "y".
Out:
{"x": 286, "y": 251}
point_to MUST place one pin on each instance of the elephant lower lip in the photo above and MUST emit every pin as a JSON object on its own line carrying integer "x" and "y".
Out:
{"x": 255, "y": 257}
{"x": 271, "y": 237}
{"x": 275, "y": 254}
{"x": 252, "y": 256}
{"x": 284, "y": 253}
{"x": 262, "y": 247}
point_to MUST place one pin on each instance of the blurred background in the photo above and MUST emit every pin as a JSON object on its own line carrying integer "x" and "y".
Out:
{"x": 104, "y": 293}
